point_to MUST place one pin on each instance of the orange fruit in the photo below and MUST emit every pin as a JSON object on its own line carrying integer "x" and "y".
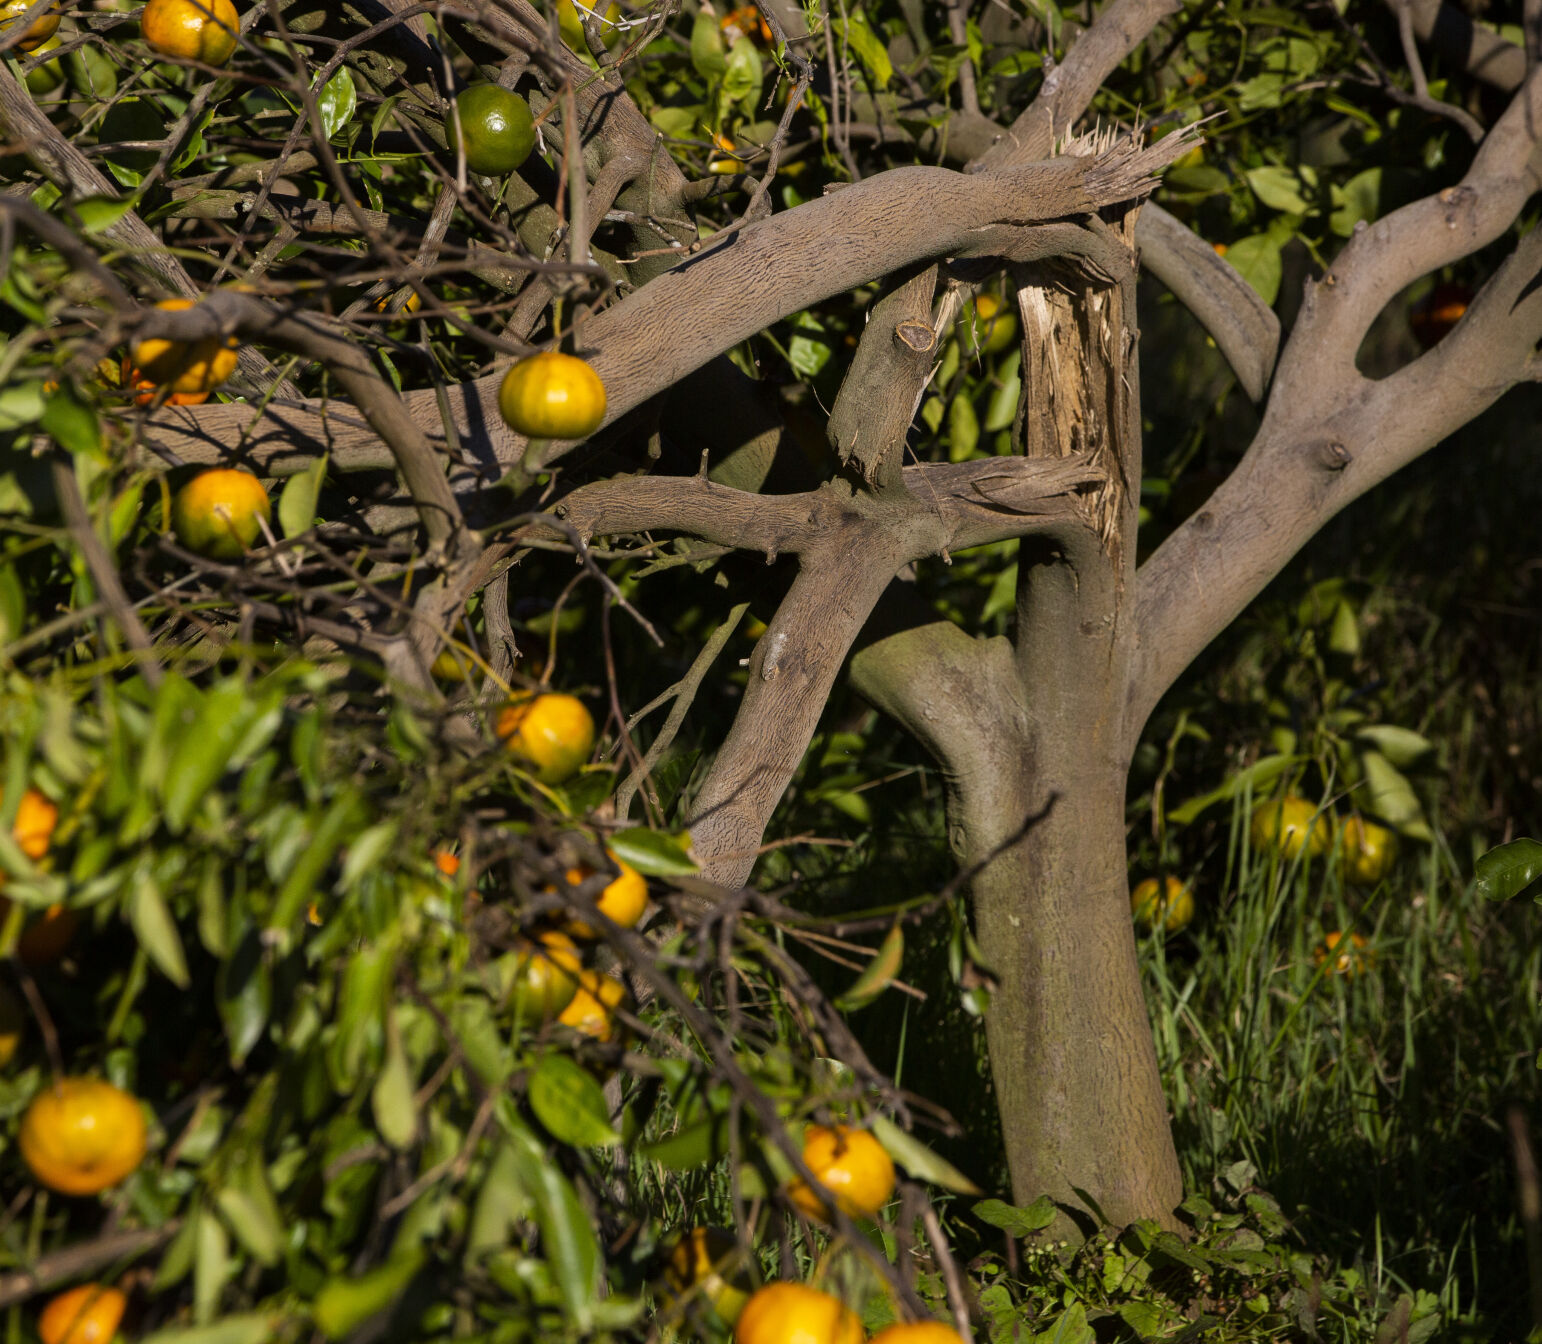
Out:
{"x": 1289, "y": 826}
{"x": 187, "y": 369}
{"x": 446, "y": 862}
{"x": 544, "y": 976}
{"x": 82, "y": 1135}
{"x": 497, "y": 131}
{"x": 191, "y": 30}
{"x": 38, "y": 31}
{"x": 849, "y": 1164}
{"x": 721, "y": 159}
{"x": 918, "y": 1332}
{"x": 592, "y": 1009}
{"x": 88, "y": 1314}
{"x": 622, "y": 901}
{"x": 145, "y": 391}
{"x": 1367, "y": 852}
{"x": 216, "y": 513}
{"x": 1168, "y": 905}
{"x": 411, "y": 304}
{"x": 794, "y": 1313}
{"x": 746, "y": 22}
{"x": 553, "y": 732}
{"x": 552, "y": 396}
{"x": 1347, "y": 954}
{"x": 1444, "y": 307}
{"x": 697, "y": 1265}
{"x": 33, "y": 828}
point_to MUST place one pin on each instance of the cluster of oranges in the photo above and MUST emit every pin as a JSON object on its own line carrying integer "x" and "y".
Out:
{"x": 78, "y": 1136}
{"x": 855, "y": 1174}
{"x": 1288, "y": 827}
{"x": 553, "y": 734}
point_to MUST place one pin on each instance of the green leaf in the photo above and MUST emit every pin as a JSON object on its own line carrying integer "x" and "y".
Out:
{"x": 1358, "y": 199}
{"x": 1279, "y": 189}
{"x": 336, "y": 102}
{"x": 691, "y": 1146}
{"x": 344, "y": 1303}
{"x": 1390, "y": 796}
{"x": 21, "y": 404}
{"x": 1402, "y": 746}
{"x": 879, "y": 974}
{"x": 963, "y": 428}
{"x": 297, "y": 503}
{"x": 919, "y": 1160}
{"x": 742, "y": 78}
{"x": 1071, "y": 1328}
{"x": 71, "y": 423}
{"x": 1002, "y": 410}
{"x": 1262, "y": 773}
{"x": 97, "y": 214}
{"x": 808, "y": 352}
{"x": 203, "y": 753}
{"x": 1145, "y": 1318}
{"x": 867, "y": 45}
{"x": 211, "y": 1264}
{"x": 1257, "y": 258}
{"x": 708, "y": 54}
{"x": 326, "y": 837}
{"x": 396, "y": 1112}
{"x": 569, "y": 1103}
{"x": 654, "y": 853}
{"x": 1019, "y": 1222}
{"x": 1344, "y": 636}
{"x": 251, "y": 1213}
{"x": 156, "y": 930}
{"x": 256, "y": 1328}
{"x": 567, "y": 1233}
{"x": 1506, "y": 872}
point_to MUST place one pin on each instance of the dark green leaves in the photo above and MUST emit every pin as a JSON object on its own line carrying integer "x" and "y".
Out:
{"x": 1508, "y": 871}
{"x": 569, "y": 1103}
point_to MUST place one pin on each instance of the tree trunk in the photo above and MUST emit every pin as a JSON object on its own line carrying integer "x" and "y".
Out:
{"x": 1071, "y": 1051}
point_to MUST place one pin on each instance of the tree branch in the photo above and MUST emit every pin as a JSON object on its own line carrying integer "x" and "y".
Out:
{"x": 1244, "y": 327}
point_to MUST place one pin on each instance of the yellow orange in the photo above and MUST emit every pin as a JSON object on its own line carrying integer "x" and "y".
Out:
{"x": 552, "y": 396}
{"x": 553, "y": 732}
{"x": 622, "y": 901}
{"x": 1168, "y": 905}
{"x": 592, "y": 1009}
{"x": 217, "y": 512}
{"x": 88, "y": 1314}
{"x": 794, "y": 1313}
{"x": 191, "y": 30}
{"x": 849, "y": 1164}
{"x": 82, "y": 1135}
{"x": 185, "y": 368}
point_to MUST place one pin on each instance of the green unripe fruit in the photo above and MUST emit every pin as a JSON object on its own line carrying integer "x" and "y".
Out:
{"x": 497, "y": 131}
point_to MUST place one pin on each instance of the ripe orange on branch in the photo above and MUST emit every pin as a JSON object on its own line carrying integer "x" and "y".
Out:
{"x": 1367, "y": 852}
{"x": 33, "y": 827}
{"x": 553, "y": 732}
{"x": 38, "y": 31}
{"x": 192, "y": 30}
{"x": 497, "y": 131}
{"x": 851, "y": 1165}
{"x": 187, "y": 369}
{"x": 88, "y": 1314}
{"x": 217, "y": 512}
{"x": 794, "y": 1313}
{"x": 592, "y": 1009}
{"x": 545, "y": 976}
{"x": 918, "y": 1332}
{"x": 552, "y": 396}
{"x": 82, "y": 1135}
{"x": 622, "y": 901}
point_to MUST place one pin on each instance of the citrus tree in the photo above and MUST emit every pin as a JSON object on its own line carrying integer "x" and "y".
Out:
{"x": 485, "y": 286}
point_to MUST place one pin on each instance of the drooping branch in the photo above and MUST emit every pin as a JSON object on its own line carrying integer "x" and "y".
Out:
{"x": 1482, "y": 53}
{"x": 1244, "y": 327}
